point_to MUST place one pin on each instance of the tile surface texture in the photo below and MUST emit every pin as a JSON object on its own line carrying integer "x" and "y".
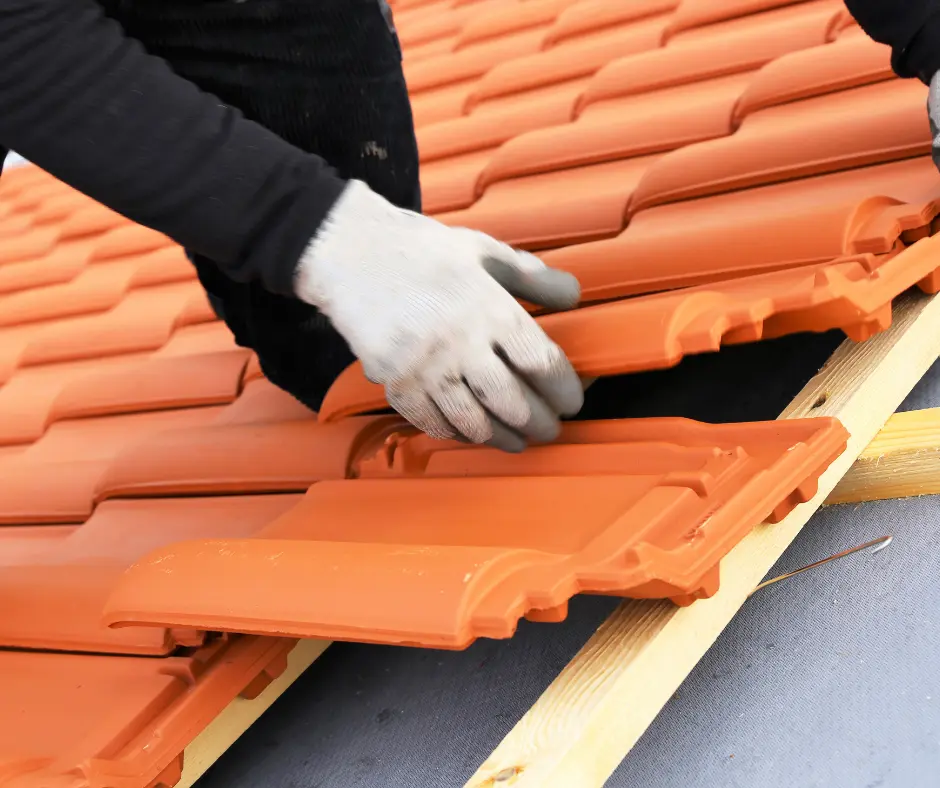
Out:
{"x": 720, "y": 175}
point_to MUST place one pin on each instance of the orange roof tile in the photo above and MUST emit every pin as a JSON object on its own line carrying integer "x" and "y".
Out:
{"x": 82, "y": 720}
{"x": 469, "y": 62}
{"x": 569, "y": 60}
{"x": 510, "y": 18}
{"x": 853, "y": 294}
{"x": 692, "y": 14}
{"x": 159, "y": 383}
{"x": 801, "y": 222}
{"x": 438, "y": 46}
{"x": 54, "y": 479}
{"x": 27, "y": 399}
{"x": 848, "y": 63}
{"x": 592, "y": 16}
{"x": 284, "y": 456}
{"x": 644, "y": 491}
{"x": 754, "y": 42}
{"x": 893, "y": 127}
{"x": 53, "y": 597}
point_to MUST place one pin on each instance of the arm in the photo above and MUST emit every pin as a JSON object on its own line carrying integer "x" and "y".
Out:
{"x": 429, "y": 310}
{"x": 910, "y": 27}
{"x": 85, "y": 102}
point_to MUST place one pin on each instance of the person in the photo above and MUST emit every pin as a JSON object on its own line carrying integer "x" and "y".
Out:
{"x": 274, "y": 141}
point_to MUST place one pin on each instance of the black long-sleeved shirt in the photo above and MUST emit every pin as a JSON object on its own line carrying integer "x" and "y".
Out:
{"x": 910, "y": 27}
{"x": 84, "y": 101}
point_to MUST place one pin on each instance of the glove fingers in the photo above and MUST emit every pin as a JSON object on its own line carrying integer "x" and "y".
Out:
{"x": 462, "y": 409}
{"x": 545, "y": 367}
{"x": 527, "y": 277}
{"x": 543, "y": 286}
{"x": 503, "y": 439}
{"x": 510, "y": 400}
{"x": 413, "y": 403}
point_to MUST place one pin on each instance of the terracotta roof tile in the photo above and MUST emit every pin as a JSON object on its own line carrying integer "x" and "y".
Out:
{"x": 764, "y": 38}
{"x": 431, "y": 49}
{"x": 692, "y": 14}
{"x": 456, "y": 152}
{"x": 53, "y": 592}
{"x": 15, "y": 224}
{"x": 29, "y": 245}
{"x": 261, "y": 402}
{"x": 470, "y": 62}
{"x": 510, "y": 18}
{"x": 635, "y": 126}
{"x": 555, "y": 208}
{"x": 159, "y": 383}
{"x": 82, "y": 720}
{"x": 591, "y": 16}
{"x": 59, "y": 207}
{"x": 444, "y": 103}
{"x": 26, "y": 400}
{"x": 643, "y": 489}
{"x": 486, "y": 130}
{"x": 97, "y": 288}
{"x": 54, "y": 480}
{"x": 282, "y": 456}
{"x": 867, "y": 125}
{"x": 26, "y": 541}
{"x": 851, "y": 293}
{"x": 670, "y": 110}
{"x": 36, "y": 396}
{"x": 430, "y": 24}
{"x": 810, "y": 220}
{"x": 848, "y": 63}
{"x": 60, "y": 265}
{"x": 143, "y": 320}
{"x": 579, "y": 57}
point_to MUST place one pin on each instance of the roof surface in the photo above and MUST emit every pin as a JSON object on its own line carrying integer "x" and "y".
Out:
{"x": 714, "y": 171}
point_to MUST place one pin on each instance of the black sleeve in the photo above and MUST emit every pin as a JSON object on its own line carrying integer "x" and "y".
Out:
{"x": 910, "y": 27}
{"x": 86, "y": 103}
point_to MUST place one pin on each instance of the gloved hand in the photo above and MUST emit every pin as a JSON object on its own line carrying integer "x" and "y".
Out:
{"x": 430, "y": 312}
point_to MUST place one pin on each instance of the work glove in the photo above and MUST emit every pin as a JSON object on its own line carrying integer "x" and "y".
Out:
{"x": 431, "y": 313}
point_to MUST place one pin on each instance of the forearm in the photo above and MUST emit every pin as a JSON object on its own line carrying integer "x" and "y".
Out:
{"x": 910, "y": 27}
{"x": 85, "y": 102}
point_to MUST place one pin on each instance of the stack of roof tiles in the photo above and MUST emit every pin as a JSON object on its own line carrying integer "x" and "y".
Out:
{"x": 713, "y": 171}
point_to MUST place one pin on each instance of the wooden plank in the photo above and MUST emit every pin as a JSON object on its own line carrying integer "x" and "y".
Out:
{"x": 590, "y": 717}
{"x": 242, "y": 713}
{"x": 902, "y": 461}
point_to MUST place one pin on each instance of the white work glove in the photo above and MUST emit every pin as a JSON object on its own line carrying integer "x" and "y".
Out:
{"x": 430, "y": 312}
